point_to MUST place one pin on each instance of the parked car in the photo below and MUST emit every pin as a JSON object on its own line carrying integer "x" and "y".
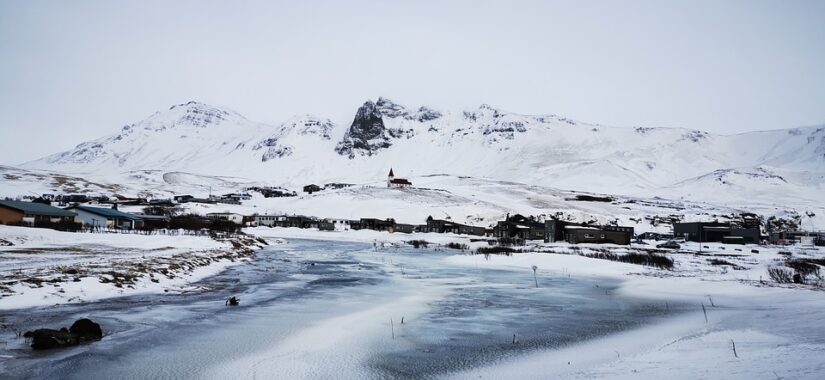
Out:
{"x": 669, "y": 244}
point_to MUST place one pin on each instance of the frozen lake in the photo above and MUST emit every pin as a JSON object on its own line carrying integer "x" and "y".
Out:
{"x": 331, "y": 310}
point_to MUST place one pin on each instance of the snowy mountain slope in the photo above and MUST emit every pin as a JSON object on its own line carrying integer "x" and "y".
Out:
{"x": 191, "y": 136}
{"x": 15, "y": 182}
{"x": 485, "y": 142}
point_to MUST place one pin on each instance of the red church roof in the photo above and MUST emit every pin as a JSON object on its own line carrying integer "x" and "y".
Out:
{"x": 401, "y": 181}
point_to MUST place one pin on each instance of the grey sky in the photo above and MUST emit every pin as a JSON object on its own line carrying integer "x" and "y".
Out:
{"x": 73, "y": 71}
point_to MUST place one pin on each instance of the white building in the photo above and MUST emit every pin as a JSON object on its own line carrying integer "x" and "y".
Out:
{"x": 340, "y": 224}
{"x": 270, "y": 220}
{"x": 397, "y": 182}
{"x": 232, "y": 217}
{"x": 99, "y": 217}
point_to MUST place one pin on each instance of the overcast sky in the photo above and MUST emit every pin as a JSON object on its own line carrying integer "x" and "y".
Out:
{"x": 73, "y": 71}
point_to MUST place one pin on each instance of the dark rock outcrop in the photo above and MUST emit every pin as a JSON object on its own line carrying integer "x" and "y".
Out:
{"x": 82, "y": 331}
{"x": 368, "y": 134}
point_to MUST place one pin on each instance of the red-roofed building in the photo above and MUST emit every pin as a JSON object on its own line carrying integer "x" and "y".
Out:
{"x": 397, "y": 182}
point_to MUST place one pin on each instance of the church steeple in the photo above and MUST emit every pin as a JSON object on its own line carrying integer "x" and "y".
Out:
{"x": 391, "y": 175}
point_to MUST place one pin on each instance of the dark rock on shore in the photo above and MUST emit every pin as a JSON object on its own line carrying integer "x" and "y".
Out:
{"x": 82, "y": 331}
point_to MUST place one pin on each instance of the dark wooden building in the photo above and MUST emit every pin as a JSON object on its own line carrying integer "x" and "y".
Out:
{"x": 520, "y": 227}
{"x": 598, "y": 235}
{"x": 377, "y": 224}
{"x": 312, "y": 188}
{"x": 297, "y": 221}
{"x": 405, "y": 228}
{"x": 440, "y": 226}
{"x": 716, "y": 232}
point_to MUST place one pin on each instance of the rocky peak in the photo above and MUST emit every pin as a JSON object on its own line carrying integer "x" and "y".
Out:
{"x": 367, "y": 134}
{"x": 389, "y": 108}
{"x": 308, "y": 125}
{"x": 193, "y": 114}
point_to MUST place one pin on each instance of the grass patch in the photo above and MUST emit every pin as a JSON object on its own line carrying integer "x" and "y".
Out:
{"x": 720, "y": 262}
{"x": 419, "y": 243}
{"x": 497, "y": 250}
{"x": 454, "y": 245}
{"x": 648, "y": 259}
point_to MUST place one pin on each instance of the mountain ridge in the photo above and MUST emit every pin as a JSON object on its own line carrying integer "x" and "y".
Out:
{"x": 485, "y": 142}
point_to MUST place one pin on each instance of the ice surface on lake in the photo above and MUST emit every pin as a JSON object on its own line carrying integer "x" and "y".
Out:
{"x": 332, "y": 310}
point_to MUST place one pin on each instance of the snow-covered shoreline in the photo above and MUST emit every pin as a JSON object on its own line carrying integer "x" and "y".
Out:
{"x": 45, "y": 267}
{"x": 775, "y": 327}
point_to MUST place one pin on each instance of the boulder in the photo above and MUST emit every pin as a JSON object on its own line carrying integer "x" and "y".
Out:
{"x": 86, "y": 330}
{"x": 43, "y": 339}
{"x": 82, "y": 331}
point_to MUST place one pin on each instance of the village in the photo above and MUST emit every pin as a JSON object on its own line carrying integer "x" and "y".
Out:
{"x": 74, "y": 212}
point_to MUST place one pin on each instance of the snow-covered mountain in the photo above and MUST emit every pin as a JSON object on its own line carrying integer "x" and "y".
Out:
{"x": 546, "y": 150}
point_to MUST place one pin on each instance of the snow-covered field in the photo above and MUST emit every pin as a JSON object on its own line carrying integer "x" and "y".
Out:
{"x": 45, "y": 267}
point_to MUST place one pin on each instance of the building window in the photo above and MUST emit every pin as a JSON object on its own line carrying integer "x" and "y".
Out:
{"x": 602, "y": 236}
{"x": 588, "y": 236}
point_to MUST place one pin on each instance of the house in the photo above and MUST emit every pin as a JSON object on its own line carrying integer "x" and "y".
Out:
{"x": 794, "y": 237}
{"x": 440, "y": 226}
{"x": 464, "y": 229}
{"x": 710, "y": 232}
{"x": 397, "y": 182}
{"x": 269, "y": 220}
{"x": 72, "y": 198}
{"x": 336, "y": 186}
{"x": 598, "y": 234}
{"x": 17, "y": 212}
{"x": 299, "y": 221}
{"x": 238, "y": 196}
{"x": 334, "y": 225}
{"x": 519, "y": 227}
{"x": 377, "y": 224}
{"x": 229, "y": 216}
{"x": 449, "y": 227}
{"x": 226, "y": 200}
{"x": 102, "y": 217}
{"x": 183, "y": 198}
{"x": 554, "y": 230}
{"x": 405, "y": 228}
{"x": 325, "y": 225}
{"x": 311, "y": 188}
{"x": 151, "y": 222}
{"x": 191, "y": 199}
{"x": 340, "y": 224}
{"x": 161, "y": 202}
